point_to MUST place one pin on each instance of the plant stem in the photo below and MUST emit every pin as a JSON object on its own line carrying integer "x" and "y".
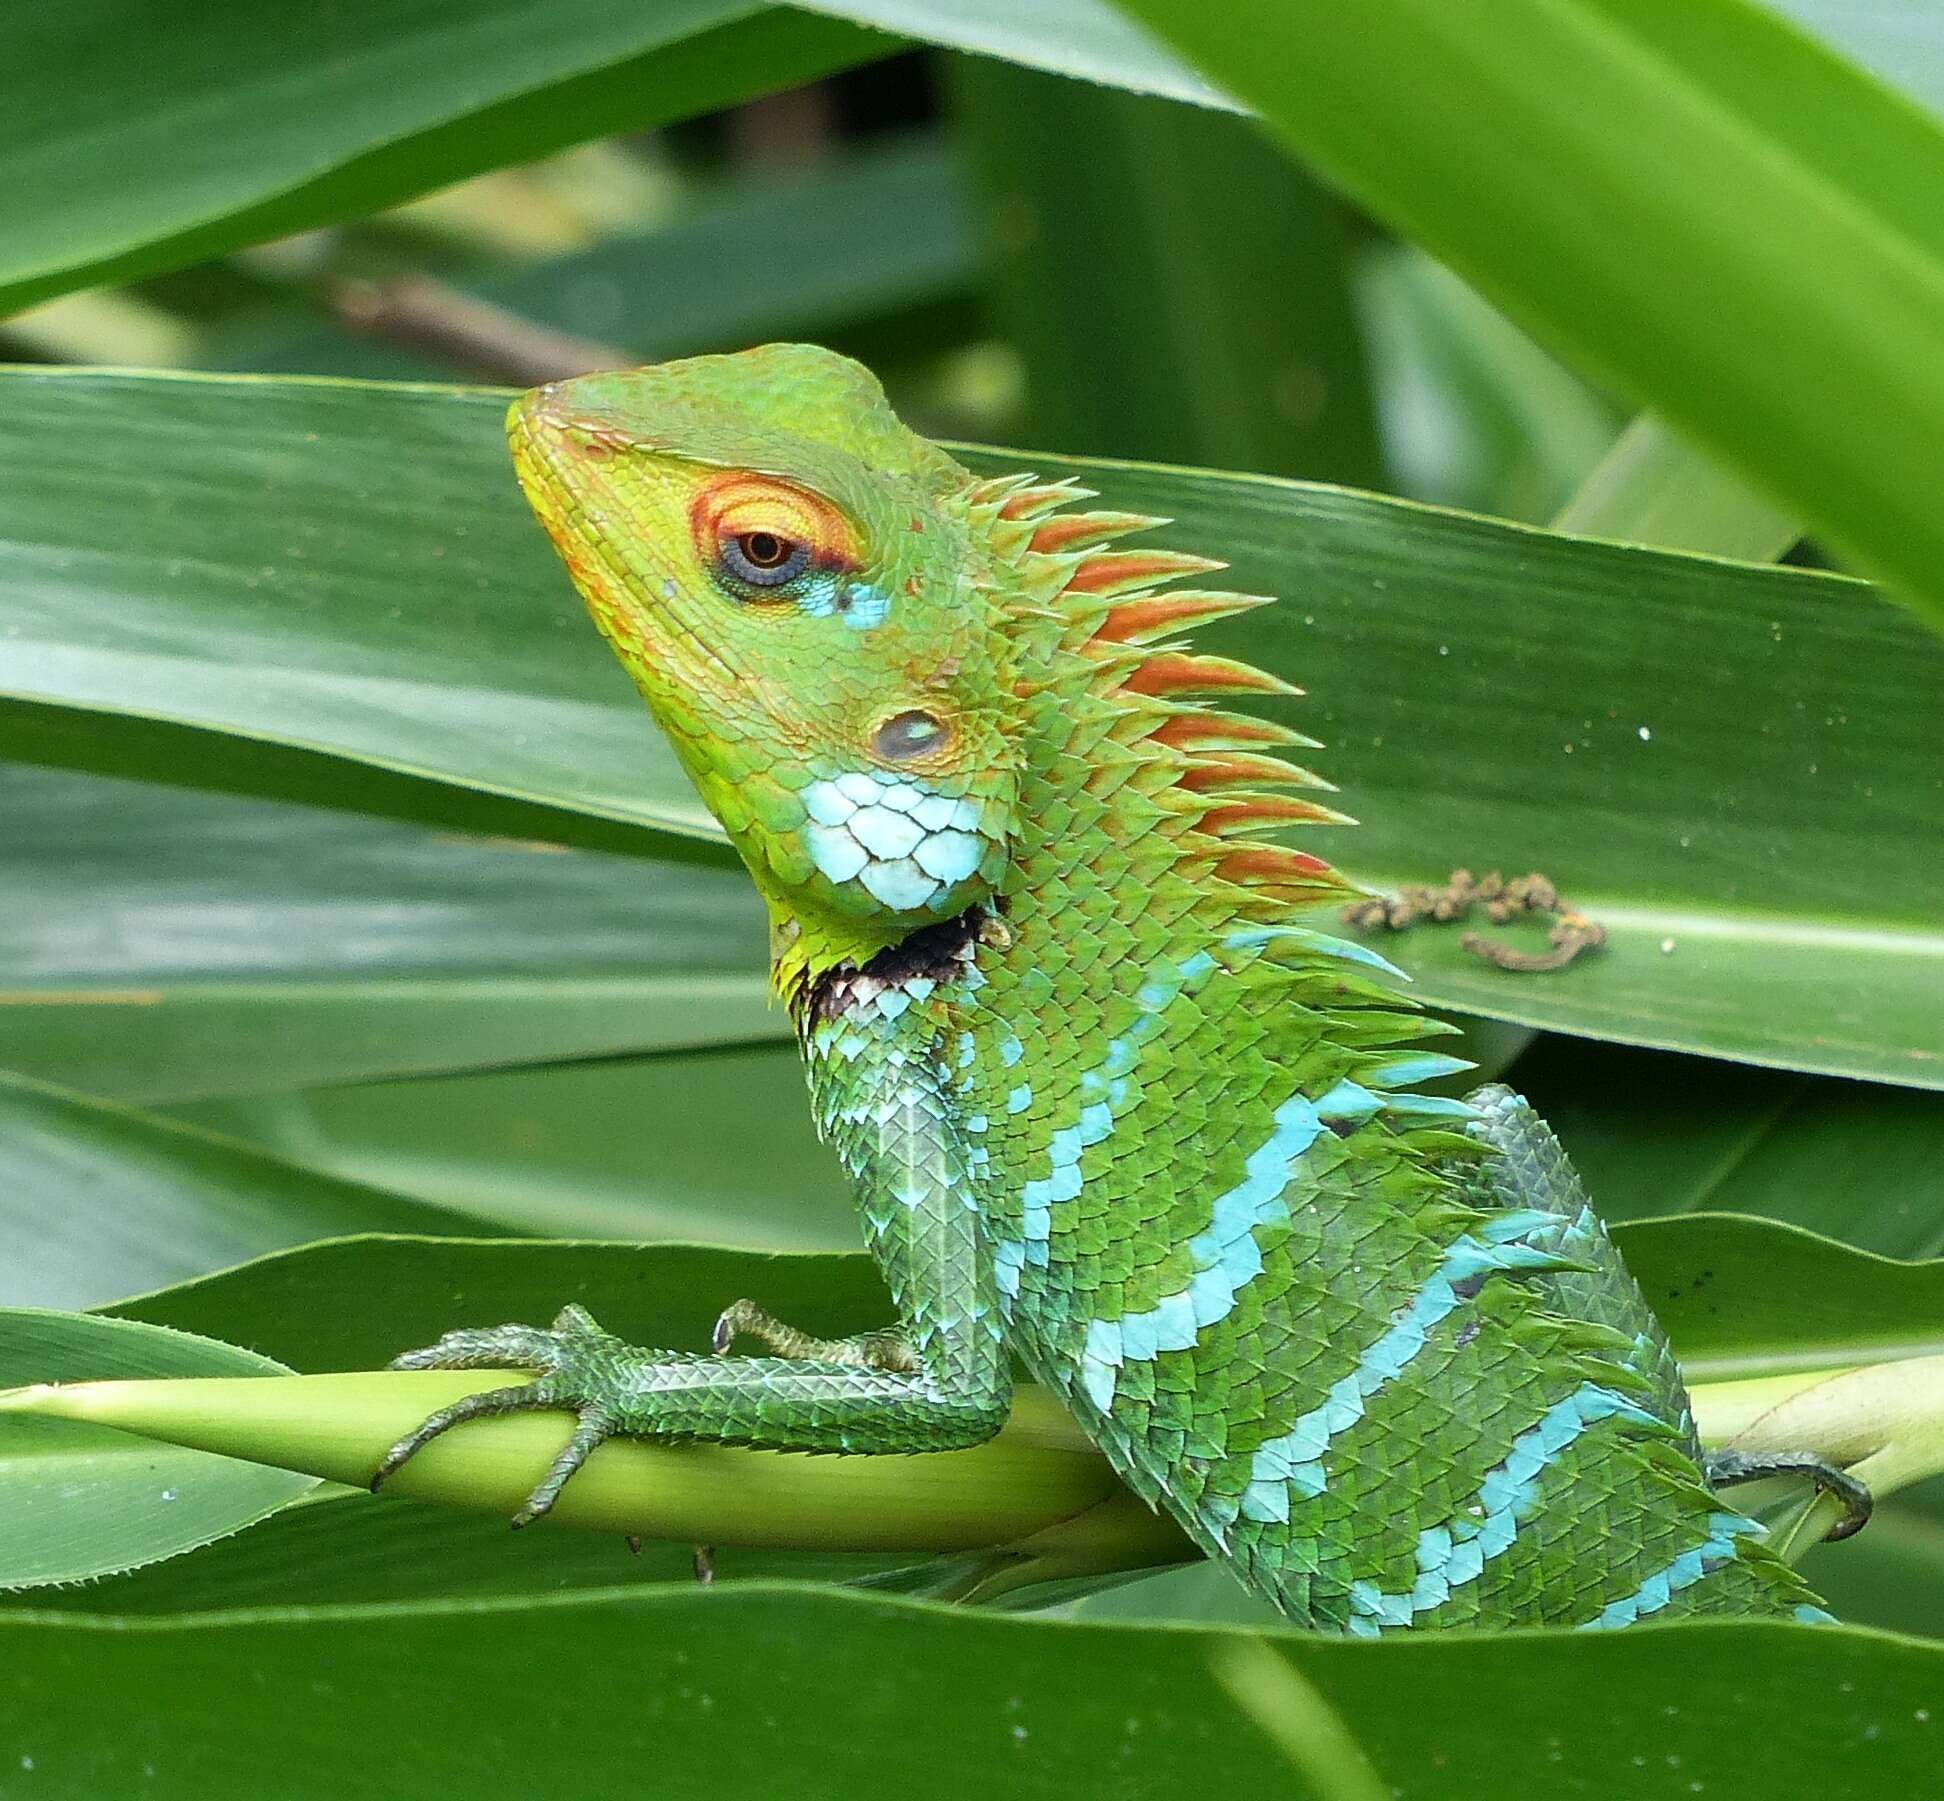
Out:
{"x": 1038, "y": 1490}
{"x": 1653, "y": 487}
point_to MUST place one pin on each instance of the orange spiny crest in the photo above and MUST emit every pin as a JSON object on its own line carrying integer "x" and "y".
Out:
{"x": 1141, "y": 618}
{"x": 1030, "y": 502}
{"x": 1206, "y": 780}
{"x": 1111, "y": 572}
{"x": 993, "y": 490}
{"x": 1282, "y": 874}
{"x": 1080, "y": 531}
{"x": 1182, "y": 672}
{"x": 1197, "y": 729}
{"x": 1233, "y": 815}
{"x": 1207, "y": 774}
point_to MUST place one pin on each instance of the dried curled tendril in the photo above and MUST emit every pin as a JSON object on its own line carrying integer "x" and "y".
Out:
{"x": 1503, "y": 901}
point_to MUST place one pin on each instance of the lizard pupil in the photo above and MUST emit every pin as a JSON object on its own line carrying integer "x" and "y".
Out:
{"x": 763, "y": 559}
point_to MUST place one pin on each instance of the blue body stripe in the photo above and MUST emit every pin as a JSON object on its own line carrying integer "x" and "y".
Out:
{"x": 1105, "y": 1086}
{"x": 1725, "y": 1530}
{"x": 1226, "y": 1256}
{"x": 1454, "y": 1554}
{"x": 1294, "y": 1459}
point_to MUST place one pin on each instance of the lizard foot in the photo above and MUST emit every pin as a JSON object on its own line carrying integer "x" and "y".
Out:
{"x": 1724, "y": 1468}
{"x": 872, "y": 1350}
{"x": 575, "y": 1359}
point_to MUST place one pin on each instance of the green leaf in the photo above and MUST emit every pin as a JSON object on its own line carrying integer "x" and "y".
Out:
{"x": 120, "y": 1501}
{"x": 99, "y": 1201}
{"x": 1749, "y": 1297}
{"x": 162, "y": 943}
{"x": 589, "y": 1692}
{"x": 1178, "y": 293}
{"x": 338, "y": 1548}
{"x": 1492, "y": 142}
{"x": 1720, "y": 762}
{"x": 714, "y": 1145}
{"x": 355, "y": 1303}
{"x": 141, "y": 139}
{"x": 1658, "y": 1135}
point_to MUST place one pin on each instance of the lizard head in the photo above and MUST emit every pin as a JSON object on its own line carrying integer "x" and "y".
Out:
{"x": 789, "y": 576}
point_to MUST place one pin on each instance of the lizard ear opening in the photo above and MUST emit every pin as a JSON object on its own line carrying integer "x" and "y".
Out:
{"x": 911, "y": 734}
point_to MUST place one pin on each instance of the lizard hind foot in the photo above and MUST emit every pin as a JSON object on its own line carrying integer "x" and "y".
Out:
{"x": 869, "y": 1350}
{"x": 573, "y": 1359}
{"x": 1725, "y": 1468}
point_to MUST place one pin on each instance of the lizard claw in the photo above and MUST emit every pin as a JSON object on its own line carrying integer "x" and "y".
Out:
{"x": 1726, "y": 1467}
{"x": 570, "y": 1363}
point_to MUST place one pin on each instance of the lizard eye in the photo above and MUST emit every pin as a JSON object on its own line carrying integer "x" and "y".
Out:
{"x": 761, "y": 559}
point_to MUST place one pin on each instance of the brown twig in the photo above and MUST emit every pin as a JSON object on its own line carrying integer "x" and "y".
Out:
{"x": 482, "y": 339}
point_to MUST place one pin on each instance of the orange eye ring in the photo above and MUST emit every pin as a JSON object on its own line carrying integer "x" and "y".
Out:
{"x": 760, "y": 533}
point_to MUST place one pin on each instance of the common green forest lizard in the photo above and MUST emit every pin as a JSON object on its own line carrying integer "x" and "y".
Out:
{"x": 1110, "y": 1102}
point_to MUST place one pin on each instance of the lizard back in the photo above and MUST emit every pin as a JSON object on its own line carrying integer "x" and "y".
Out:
{"x": 1275, "y": 1283}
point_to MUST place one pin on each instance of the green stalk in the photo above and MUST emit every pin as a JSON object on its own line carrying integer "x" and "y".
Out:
{"x": 1038, "y": 1490}
{"x": 1653, "y": 487}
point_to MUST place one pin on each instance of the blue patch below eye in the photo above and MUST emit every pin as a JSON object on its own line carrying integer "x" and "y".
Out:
{"x": 817, "y": 594}
{"x": 861, "y": 606}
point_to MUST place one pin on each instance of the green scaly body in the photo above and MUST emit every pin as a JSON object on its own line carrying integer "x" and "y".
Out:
{"x": 1106, "y": 1102}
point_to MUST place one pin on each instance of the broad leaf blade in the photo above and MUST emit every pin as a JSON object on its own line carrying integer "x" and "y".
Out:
{"x": 97, "y": 1201}
{"x": 355, "y": 1303}
{"x": 714, "y": 1145}
{"x": 140, "y": 139}
{"x": 169, "y": 944}
{"x": 341, "y": 1548}
{"x": 1484, "y": 690}
{"x": 119, "y": 1501}
{"x": 1655, "y": 1135}
{"x": 1491, "y": 136}
{"x": 1751, "y": 1297}
{"x": 590, "y": 1691}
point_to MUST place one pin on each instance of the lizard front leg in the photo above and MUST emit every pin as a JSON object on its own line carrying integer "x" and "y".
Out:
{"x": 939, "y": 1381}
